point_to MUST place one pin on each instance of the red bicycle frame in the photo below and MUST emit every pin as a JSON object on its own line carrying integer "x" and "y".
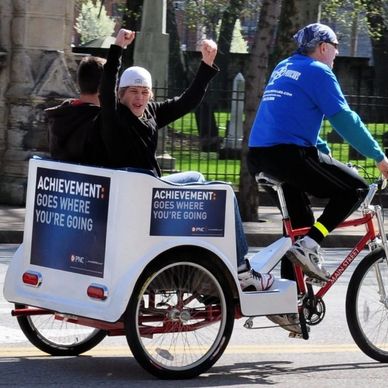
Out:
{"x": 370, "y": 234}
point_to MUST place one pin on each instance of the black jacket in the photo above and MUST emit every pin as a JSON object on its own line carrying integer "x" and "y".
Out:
{"x": 131, "y": 141}
{"x": 74, "y": 133}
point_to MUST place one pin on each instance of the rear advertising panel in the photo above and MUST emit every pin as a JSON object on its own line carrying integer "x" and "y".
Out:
{"x": 70, "y": 220}
{"x": 188, "y": 212}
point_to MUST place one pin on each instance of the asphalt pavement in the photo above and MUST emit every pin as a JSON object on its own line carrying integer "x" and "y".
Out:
{"x": 259, "y": 234}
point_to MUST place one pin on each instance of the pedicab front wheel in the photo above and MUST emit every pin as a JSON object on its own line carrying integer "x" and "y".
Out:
{"x": 180, "y": 317}
{"x": 58, "y": 336}
{"x": 367, "y": 305}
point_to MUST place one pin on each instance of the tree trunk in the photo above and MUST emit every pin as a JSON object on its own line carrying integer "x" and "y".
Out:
{"x": 177, "y": 71}
{"x": 255, "y": 80}
{"x": 375, "y": 16}
{"x": 303, "y": 12}
{"x": 131, "y": 21}
{"x": 228, "y": 21}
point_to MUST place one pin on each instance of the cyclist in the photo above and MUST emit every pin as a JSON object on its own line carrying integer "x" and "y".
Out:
{"x": 301, "y": 91}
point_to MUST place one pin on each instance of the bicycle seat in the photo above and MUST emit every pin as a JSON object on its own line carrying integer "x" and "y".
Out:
{"x": 266, "y": 179}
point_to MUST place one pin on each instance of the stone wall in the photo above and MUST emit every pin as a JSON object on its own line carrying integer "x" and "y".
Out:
{"x": 35, "y": 70}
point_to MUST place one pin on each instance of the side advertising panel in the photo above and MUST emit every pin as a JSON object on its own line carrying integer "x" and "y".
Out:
{"x": 188, "y": 212}
{"x": 70, "y": 220}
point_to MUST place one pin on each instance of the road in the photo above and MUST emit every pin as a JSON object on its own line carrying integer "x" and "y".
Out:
{"x": 253, "y": 357}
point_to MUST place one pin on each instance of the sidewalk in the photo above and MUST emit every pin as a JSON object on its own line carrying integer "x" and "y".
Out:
{"x": 259, "y": 234}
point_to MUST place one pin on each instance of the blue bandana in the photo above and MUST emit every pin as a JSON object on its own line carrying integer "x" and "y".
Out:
{"x": 310, "y": 36}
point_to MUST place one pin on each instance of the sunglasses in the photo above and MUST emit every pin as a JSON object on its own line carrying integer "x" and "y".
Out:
{"x": 335, "y": 45}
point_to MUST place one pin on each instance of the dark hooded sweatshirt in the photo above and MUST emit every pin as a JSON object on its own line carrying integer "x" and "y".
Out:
{"x": 74, "y": 133}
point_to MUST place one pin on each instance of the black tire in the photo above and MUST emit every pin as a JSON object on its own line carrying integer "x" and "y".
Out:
{"x": 189, "y": 302}
{"x": 367, "y": 307}
{"x": 58, "y": 337}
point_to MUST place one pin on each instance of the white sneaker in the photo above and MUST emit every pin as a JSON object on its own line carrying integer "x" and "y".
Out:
{"x": 255, "y": 281}
{"x": 288, "y": 322}
{"x": 310, "y": 259}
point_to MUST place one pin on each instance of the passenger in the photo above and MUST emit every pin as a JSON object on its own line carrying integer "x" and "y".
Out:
{"x": 74, "y": 134}
{"x": 301, "y": 91}
{"x": 131, "y": 119}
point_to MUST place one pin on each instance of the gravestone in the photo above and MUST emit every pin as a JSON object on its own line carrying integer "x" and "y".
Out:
{"x": 231, "y": 148}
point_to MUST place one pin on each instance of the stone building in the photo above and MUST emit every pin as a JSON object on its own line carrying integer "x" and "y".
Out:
{"x": 35, "y": 70}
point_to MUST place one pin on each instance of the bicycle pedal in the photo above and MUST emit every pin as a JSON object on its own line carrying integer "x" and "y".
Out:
{"x": 315, "y": 282}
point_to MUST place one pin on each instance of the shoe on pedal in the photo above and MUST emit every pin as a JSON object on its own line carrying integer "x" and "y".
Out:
{"x": 309, "y": 258}
{"x": 255, "y": 281}
{"x": 288, "y": 322}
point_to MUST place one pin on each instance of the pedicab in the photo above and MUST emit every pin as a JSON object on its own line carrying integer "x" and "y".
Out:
{"x": 111, "y": 252}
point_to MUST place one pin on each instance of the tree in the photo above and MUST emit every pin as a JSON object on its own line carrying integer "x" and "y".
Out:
{"x": 255, "y": 80}
{"x": 371, "y": 14}
{"x": 225, "y": 36}
{"x": 203, "y": 16}
{"x": 303, "y": 12}
{"x": 93, "y": 21}
{"x": 238, "y": 44}
{"x": 131, "y": 20}
{"x": 376, "y": 12}
{"x": 176, "y": 67}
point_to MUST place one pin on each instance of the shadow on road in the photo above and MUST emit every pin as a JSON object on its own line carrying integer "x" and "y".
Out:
{"x": 117, "y": 371}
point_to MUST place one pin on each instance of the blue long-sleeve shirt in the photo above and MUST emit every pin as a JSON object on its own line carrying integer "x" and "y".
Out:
{"x": 300, "y": 93}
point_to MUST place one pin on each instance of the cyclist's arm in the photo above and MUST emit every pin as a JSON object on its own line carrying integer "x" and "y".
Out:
{"x": 349, "y": 125}
{"x": 323, "y": 146}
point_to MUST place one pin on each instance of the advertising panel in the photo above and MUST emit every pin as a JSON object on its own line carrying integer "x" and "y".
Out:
{"x": 188, "y": 212}
{"x": 70, "y": 219}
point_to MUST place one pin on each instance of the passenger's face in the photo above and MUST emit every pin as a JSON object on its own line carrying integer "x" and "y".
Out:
{"x": 136, "y": 98}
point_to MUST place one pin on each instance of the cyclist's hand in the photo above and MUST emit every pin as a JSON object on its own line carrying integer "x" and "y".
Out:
{"x": 383, "y": 167}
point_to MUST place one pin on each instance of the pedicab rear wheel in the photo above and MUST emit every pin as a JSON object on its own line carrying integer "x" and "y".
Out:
{"x": 58, "y": 337}
{"x": 180, "y": 317}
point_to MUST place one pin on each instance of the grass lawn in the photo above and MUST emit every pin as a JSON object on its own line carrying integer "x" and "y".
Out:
{"x": 190, "y": 157}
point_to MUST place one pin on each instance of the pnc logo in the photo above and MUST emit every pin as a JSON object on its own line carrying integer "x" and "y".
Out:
{"x": 196, "y": 229}
{"x": 77, "y": 259}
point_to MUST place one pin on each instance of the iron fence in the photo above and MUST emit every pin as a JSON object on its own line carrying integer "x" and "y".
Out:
{"x": 209, "y": 139}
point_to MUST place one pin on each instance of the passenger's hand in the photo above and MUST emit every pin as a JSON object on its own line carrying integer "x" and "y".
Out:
{"x": 383, "y": 167}
{"x": 209, "y": 51}
{"x": 124, "y": 38}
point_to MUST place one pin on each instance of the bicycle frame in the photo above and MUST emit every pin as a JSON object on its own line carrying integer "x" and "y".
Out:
{"x": 369, "y": 212}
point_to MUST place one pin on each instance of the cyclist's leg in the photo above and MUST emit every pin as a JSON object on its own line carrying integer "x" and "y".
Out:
{"x": 301, "y": 215}
{"x": 312, "y": 172}
{"x": 324, "y": 177}
{"x": 336, "y": 181}
{"x": 315, "y": 173}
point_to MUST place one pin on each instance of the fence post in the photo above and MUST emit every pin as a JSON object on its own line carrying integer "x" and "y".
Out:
{"x": 231, "y": 148}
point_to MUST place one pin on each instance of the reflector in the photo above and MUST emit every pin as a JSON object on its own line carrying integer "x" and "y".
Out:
{"x": 32, "y": 278}
{"x": 97, "y": 291}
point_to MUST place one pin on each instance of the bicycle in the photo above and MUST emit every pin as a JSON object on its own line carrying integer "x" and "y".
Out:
{"x": 366, "y": 298}
{"x": 158, "y": 265}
